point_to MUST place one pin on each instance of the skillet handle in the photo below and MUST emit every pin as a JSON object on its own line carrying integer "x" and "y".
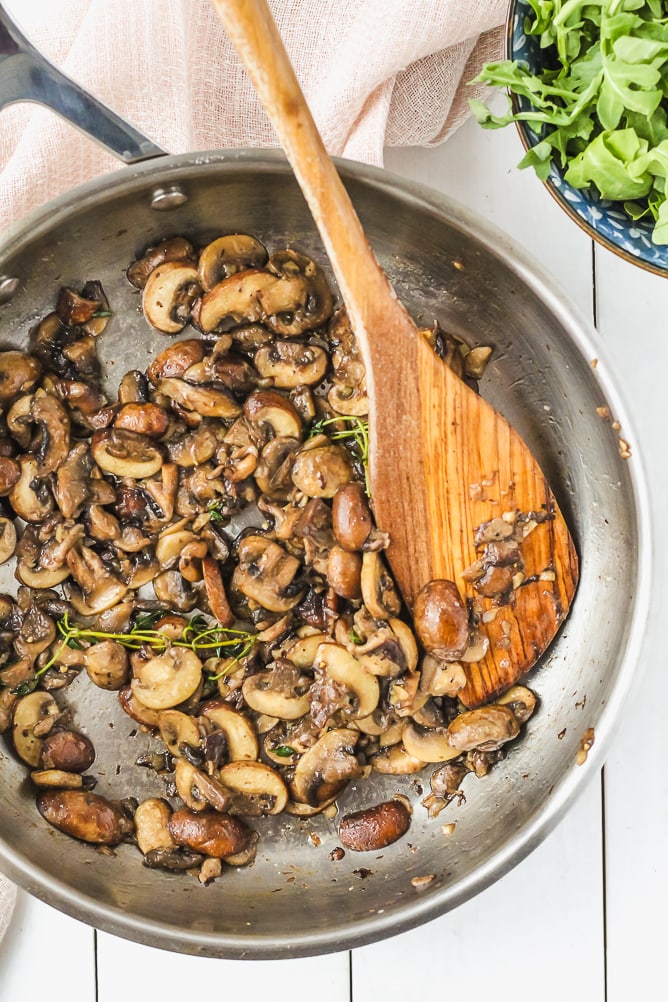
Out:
{"x": 25, "y": 75}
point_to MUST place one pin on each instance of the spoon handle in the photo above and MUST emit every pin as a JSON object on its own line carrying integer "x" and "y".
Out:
{"x": 370, "y": 300}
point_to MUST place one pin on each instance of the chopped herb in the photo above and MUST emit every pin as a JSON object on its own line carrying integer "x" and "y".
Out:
{"x": 214, "y": 511}
{"x": 25, "y": 687}
{"x": 284, "y": 751}
{"x": 354, "y": 637}
{"x": 102, "y": 313}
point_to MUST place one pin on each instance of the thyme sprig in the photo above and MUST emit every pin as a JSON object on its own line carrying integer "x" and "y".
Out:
{"x": 198, "y": 635}
{"x": 355, "y": 432}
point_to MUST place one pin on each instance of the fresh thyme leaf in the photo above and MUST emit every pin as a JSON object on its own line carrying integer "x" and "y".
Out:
{"x": 214, "y": 511}
{"x": 354, "y": 637}
{"x": 147, "y": 620}
{"x": 102, "y": 313}
{"x": 284, "y": 751}
{"x": 25, "y": 687}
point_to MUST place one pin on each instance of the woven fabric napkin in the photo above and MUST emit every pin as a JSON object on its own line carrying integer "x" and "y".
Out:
{"x": 376, "y": 73}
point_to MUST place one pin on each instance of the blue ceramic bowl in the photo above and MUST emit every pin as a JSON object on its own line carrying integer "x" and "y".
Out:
{"x": 605, "y": 221}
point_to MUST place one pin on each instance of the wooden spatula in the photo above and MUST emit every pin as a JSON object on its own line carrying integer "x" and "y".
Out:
{"x": 442, "y": 460}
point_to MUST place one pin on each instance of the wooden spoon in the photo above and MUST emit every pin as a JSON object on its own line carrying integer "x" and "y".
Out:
{"x": 442, "y": 461}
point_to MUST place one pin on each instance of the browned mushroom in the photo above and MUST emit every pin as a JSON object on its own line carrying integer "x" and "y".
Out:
{"x": 228, "y": 255}
{"x": 100, "y": 588}
{"x": 172, "y": 249}
{"x": 19, "y": 372}
{"x": 289, "y": 364}
{"x": 300, "y": 300}
{"x": 125, "y": 453}
{"x": 168, "y": 295}
{"x": 267, "y": 574}
{"x": 234, "y": 301}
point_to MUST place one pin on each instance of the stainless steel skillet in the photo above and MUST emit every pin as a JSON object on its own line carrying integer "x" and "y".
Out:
{"x": 448, "y": 265}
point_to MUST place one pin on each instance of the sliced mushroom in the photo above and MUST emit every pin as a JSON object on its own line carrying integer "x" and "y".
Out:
{"x": 272, "y": 473}
{"x": 266, "y": 574}
{"x": 44, "y": 565}
{"x": 257, "y": 787}
{"x": 303, "y": 650}
{"x": 175, "y": 361}
{"x": 521, "y": 701}
{"x": 180, "y": 732}
{"x": 136, "y": 710}
{"x": 169, "y": 294}
{"x": 343, "y": 669}
{"x": 215, "y": 592}
{"x": 486, "y": 728}
{"x": 30, "y": 497}
{"x": 57, "y": 778}
{"x": 163, "y": 492}
{"x": 73, "y": 487}
{"x": 172, "y": 589}
{"x": 237, "y": 730}
{"x": 34, "y": 715}
{"x": 428, "y": 744}
{"x": 194, "y": 448}
{"x": 205, "y": 400}
{"x": 38, "y": 631}
{"x": 100, "y": 588}
{"x": 273, "y": 414}
{"x": 197, "y": 790}
{"x": 145, "y": 419}
{"x": 172, "y": 249}
{"x": 171, "y": 543}
{"x": 107, "y": 665}
{"x": 348, "y": 400}
{"x": 19, "y": 372}
{"x": 396, "y": 761}
{"x": 300, "y": 300}
{"x": 7, "y": 539}
{"x": 442, "y": 678}
{"x": 10, "y": 473}
{"x": 290, "y": 364}
{"x": 74, "y": 309}
{"x": 50, "y": 416}
{"x": 234, "y": 301}
{"x": 324, "y": 770}
{"x": 168, "y": 679}
{"x": 378, "y": 591}
{"x": 126, "y": 454}
{"x": 319, "y": 470}
{"x": 228, "y": 255}
{"x": 266, "y": 695}
{"x": 151, "y": 825}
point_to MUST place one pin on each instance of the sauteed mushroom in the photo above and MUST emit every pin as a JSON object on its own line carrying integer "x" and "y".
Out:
{"x": 271, "y": 664}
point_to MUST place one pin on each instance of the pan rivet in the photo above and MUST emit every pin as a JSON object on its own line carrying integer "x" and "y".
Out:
{"x": 164, "y": 199}
{"x": 8, "y": 286}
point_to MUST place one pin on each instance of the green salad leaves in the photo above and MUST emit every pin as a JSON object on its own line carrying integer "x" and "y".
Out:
{"x": 600, "y": 101}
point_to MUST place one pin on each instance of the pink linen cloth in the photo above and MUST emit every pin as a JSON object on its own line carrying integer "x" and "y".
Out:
{"x": 376, "y": 73}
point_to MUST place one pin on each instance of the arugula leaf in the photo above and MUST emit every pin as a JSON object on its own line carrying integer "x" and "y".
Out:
{"x": 599, "y": 105}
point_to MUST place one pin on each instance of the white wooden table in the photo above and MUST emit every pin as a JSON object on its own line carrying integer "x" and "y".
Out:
{"x": 582, "y": 918}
